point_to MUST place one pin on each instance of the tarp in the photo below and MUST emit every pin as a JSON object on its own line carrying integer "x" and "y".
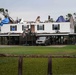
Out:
{"x": 4, "y": 21}
{"x": 60, "y": 19}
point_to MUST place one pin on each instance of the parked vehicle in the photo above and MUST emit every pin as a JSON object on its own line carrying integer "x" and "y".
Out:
{"x": 43, "y": 40}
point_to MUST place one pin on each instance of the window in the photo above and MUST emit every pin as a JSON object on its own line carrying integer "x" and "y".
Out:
{"x": 13, "y": 28}
{"x": 24, "y": 27}
{"x": 0, "y": 28}
{"x": 56, "y": 26}
{"x": 40, "y": 27}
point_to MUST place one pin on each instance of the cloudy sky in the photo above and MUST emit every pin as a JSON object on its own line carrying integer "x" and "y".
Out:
{"x": 30, "y": 9}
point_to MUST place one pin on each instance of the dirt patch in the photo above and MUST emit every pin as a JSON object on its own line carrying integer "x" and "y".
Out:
{"x": 8, "y": 46}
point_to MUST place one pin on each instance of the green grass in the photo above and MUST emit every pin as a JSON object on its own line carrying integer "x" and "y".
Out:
{"x": 38, "y": 66}
{"x": 8, "y": 66}
{"x": 42, "y": 50}
{"x": 66, "y": 66}
{"x": 35, "y": 66}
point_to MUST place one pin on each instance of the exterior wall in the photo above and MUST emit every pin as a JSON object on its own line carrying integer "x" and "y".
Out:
{"x": 6, "y": 28}
{"x": 72, "y": 24}
{"x": 71, "y": 30}
{"x": 64, "y": 27}
{"x": 47, "y": 28}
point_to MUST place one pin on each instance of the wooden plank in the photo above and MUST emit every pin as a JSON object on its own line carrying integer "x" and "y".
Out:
{"x": 50, "y": 66}
{"x": 20, "y": 63}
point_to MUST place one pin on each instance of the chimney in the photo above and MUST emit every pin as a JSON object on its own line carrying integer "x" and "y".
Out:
{"x": 49, "y": 18}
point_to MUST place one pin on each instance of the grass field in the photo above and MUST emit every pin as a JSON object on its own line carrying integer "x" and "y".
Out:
{"x": 42, "y": 50}
{"x": 38, "y": 66}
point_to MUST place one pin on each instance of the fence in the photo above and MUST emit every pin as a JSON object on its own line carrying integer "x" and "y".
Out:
{"x": 20, "y": 60}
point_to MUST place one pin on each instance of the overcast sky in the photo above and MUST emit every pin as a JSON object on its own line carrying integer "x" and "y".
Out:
{"x": 30, "y": 9}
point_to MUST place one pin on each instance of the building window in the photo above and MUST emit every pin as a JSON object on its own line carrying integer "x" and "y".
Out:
{"x": 13, "y": 28}
{"x": 56, "y": 26}
{"x": 40, "y": 27}
{"x": 24, "y": 27}
{"x": 0, "y": 28}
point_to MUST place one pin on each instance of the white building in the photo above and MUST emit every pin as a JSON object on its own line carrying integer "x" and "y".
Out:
{"x": 60, "y": 27}
{"x": 52, "y": 29}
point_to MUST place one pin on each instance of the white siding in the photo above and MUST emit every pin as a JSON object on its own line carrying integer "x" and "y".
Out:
{"x": 48, "y": 28}
{"x": 64, "y": 27}
{"x": 6, "y": 28}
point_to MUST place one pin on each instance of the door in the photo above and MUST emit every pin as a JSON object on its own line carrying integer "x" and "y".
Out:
{"x": 33, "y": 28}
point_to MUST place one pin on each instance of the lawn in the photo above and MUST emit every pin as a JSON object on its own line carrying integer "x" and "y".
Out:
{"x": 39, "y": 50}
{"x": 38, "y": 66}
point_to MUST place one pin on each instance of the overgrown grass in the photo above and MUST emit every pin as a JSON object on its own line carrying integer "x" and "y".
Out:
{"x": 8, "y": 66}
{"x": 38, "y": 66}
{"x": 35, "y": 66}
{"x": 64, "y": 66}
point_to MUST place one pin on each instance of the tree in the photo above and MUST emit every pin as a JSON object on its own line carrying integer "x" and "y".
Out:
{"x": 1, "y": 10}
{"x": 4, "y": 12}
{"x": 68, "y": 16}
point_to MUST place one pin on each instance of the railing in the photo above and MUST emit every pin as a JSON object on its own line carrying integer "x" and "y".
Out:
{"x": 20, "y": 61}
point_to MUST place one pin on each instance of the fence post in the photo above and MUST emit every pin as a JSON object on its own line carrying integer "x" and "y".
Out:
{"x": 20, "y": 62}
{"x": 49, "y": 66}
